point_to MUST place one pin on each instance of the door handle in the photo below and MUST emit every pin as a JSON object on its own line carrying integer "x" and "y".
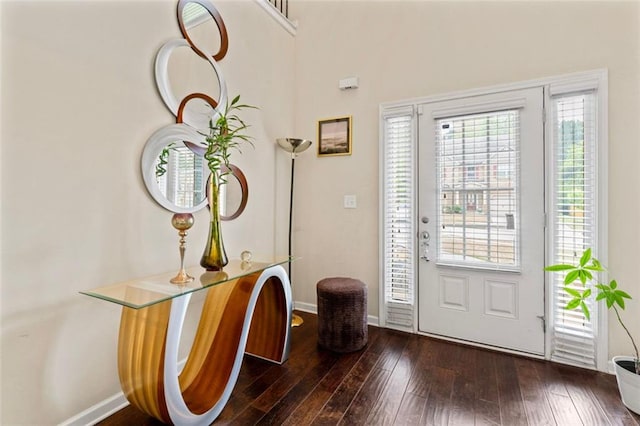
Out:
{"x": 425, "y": 237}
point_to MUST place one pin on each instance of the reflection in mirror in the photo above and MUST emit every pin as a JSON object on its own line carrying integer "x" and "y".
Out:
{"x": 203, "y": 27}
{"x": 176, "y": 173}
{"x": 181, "y": 175}
{"x": 175, "y": 176}
{"x": 233, "y": 194}
{"x": 194, "y": 14}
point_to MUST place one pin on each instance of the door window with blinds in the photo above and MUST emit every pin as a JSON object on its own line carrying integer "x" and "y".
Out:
{"x": 477, "y": 183}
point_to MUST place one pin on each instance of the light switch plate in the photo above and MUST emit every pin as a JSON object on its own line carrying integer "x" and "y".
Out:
{"x": 350, "y": 202}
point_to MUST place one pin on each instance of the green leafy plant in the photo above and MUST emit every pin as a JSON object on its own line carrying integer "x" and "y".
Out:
{"x": 584, "y": 271}
{"x": 226, "y": 134}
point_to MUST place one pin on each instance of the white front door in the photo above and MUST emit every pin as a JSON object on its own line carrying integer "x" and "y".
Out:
{"x": 481, "y": 220}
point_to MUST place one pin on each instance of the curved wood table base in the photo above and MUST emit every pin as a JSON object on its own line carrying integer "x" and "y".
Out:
{"x": 251, "y": 314}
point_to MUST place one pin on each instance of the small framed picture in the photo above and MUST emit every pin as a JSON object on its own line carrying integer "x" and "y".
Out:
{"x": 334, "y": 136}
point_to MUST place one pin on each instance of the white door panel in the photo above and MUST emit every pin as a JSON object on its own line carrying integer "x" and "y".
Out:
{"x": 481, "y": 186}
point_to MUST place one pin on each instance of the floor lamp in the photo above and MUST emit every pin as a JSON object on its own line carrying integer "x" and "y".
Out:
{"x": 293, "y": 146}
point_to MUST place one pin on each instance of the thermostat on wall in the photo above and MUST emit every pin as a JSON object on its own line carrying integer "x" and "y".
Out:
{"x": 348, "y": 83}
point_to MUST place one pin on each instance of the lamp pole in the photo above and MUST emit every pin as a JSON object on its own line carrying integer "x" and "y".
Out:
{"x": 293, "y": 146}
{"x": 293, "y": 164}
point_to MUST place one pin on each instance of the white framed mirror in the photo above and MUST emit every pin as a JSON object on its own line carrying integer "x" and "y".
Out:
{"x": 196, "y": 114}
{"x": 174, "y": 175}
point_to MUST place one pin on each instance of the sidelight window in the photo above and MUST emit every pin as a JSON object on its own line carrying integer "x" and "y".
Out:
{"x": 398, "y": 216}
{"x": 573, "y": 219}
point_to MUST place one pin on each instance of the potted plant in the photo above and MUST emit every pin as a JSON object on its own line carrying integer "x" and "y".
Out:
{"x": 226, "y": 133}
{"x": 627, "y": 368}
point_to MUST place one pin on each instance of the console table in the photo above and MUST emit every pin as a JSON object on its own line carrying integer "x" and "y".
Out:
{"x": 247, "y": 309}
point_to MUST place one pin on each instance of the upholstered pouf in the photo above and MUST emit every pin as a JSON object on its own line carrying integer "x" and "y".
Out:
{"x": 342, "y": 314}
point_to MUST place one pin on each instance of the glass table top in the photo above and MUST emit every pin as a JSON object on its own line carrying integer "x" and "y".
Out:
{"x": 142, "y": 292}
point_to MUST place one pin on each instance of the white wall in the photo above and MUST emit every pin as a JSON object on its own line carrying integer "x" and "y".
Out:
{"x": 407, "y": 49}
{"x": 78, "y": 104}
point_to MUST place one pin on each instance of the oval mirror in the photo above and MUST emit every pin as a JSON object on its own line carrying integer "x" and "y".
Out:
{"x": 203, "y": 28}
{"x": 198, "y": 112}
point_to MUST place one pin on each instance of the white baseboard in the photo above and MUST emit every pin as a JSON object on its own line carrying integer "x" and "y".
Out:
{"x": 313, "y": 309}
{"x": 105, "y": 408}
{"x": 98, "y": 412}
{"x": 305, "y": 307}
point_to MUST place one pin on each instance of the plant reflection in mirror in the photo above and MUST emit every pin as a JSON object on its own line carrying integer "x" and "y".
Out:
{"x": 162, "y": 160}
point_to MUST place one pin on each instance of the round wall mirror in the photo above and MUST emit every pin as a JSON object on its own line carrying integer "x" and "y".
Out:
{"x": 176, "y": 173}
{"x": 174, "y": 176}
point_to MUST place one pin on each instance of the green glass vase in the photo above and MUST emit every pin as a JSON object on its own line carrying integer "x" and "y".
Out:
{"x": 214, "y": 257}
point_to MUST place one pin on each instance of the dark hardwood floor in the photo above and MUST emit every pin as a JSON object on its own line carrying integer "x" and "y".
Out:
{"x": 405, "y": 379}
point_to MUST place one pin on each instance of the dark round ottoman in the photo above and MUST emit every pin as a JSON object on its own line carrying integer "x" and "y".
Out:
{"x": 342, "y": 314}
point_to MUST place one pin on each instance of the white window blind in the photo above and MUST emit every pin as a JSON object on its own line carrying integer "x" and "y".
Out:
{"x": 573, "y": 220}
{"x": 194, "y": 14}
{"x": 182, "y": 181}
{"x": 187, "y": 175}
{"x": 478, "y": 163}
{"x": 398, "y": 197}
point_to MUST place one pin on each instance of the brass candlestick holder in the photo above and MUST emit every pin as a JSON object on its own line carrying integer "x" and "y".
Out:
{"x": 182, "y": 222}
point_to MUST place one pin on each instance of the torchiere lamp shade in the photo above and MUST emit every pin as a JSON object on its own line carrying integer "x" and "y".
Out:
{"x": 294, "y": 145}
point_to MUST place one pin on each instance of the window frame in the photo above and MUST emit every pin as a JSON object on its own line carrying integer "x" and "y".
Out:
{"x": 597, "y": 82}
{"x": 469, "y": 195}
{"x": 405, "y": 309}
